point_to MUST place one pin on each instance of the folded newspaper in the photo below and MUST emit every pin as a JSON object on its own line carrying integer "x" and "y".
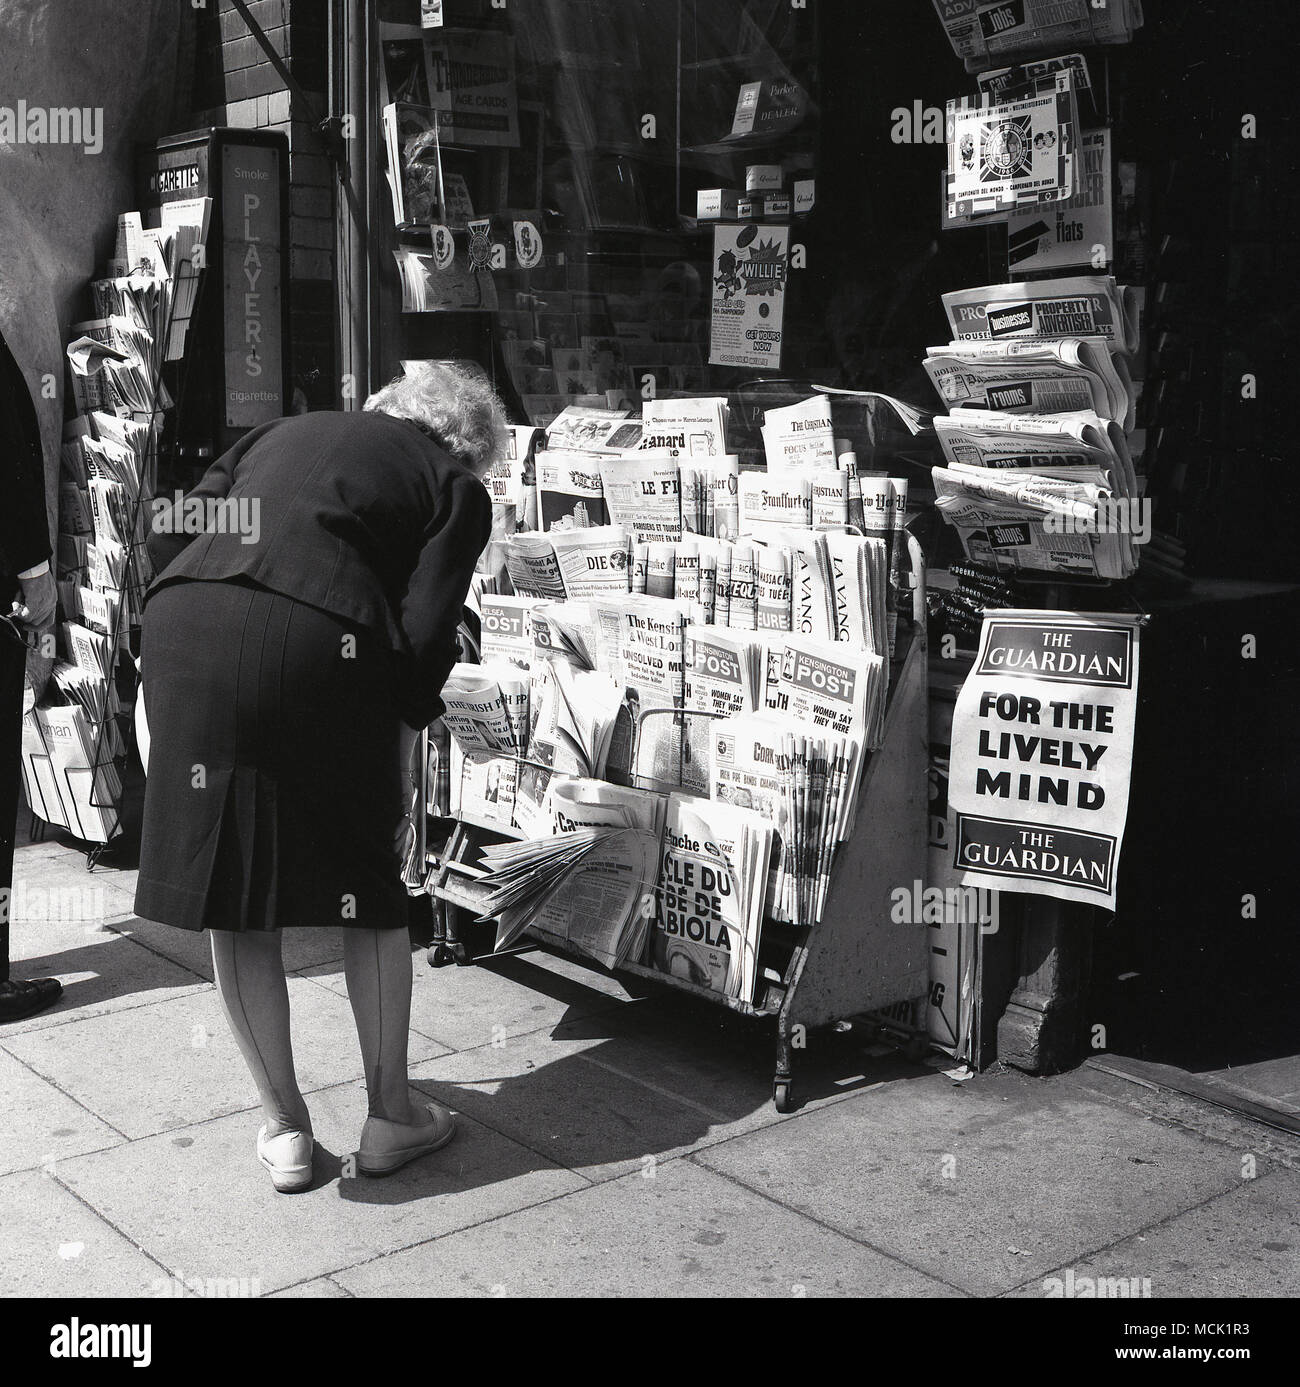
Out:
{"x": 569, "y": 490}
{"x": 588, "y": 889}
{"x": 1022, "y": 521}
{"x": 1077, "y": 306}
{"x": 643, "y": 495}
{"x": 711, "y": 888}
{"x": 694, "y": 427}
{"x": 573, "y": 724}
{"x": 725, "y": 674}
{"x": 980, "y": 31}
{"x": 825, "y": 688}
{"x": 589, "y": 429}
{"x": 486, "y": 707}
{"x": 63, "y": 781}
{"x": 1065, "y": 375}
{"x": 1037, "y": 443}
{"x": 800, "y": 435}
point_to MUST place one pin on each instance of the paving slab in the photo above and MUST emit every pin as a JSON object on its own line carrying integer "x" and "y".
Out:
{"x": 526, "y": 967}
{"x": 301, "y": 948}
{"x": 545, "y": 1093}
{"x": 985, "y": 1184}
{"x": 42, "y": 1125}
{"x": 463, "y": 1008}
{"x": 36, "y": 943}
{"x": 102, "y": 974}
{"x": 1244, "y": 1243}
{"x": 27, "y": 848}
{"x": 724, "y": 1063}
{"x": 686, "y": 1232}
{"x": 55, "y": 1246}
{"x": 50, "y": 886}
{"x": 198, "y": 1201}
{"x": 321, "y": 1288}
{"x": 1269, "y": 1081}
{"x": 175, "y": 1063}
{"x": 1273, "y": 1147}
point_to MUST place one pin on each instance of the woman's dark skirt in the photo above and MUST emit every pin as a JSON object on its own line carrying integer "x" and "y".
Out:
{"x": 273, "y": 793}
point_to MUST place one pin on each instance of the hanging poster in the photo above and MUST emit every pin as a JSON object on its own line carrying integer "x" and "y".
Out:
{"x": 1077, "y": 233}
{"x": 1042, "y": 750}
{"x": 471, "y": 77}
{"x": 750, "y": 271}
{"x": 1015, "y": 155}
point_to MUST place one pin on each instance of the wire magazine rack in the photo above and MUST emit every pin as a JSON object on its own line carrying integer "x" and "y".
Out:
{"x": 135, "y": 581}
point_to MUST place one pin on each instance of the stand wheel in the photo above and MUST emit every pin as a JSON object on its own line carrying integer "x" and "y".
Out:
{"x": 782, "y": 1097}
{"x": 439, "y": 956}
{"x": 460, "y": 955}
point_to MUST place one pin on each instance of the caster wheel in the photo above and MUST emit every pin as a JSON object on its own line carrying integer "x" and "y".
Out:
{"x": 439, "y": 956}
{"x": 782, "y": 1098}
{"x": 460, "y": 956}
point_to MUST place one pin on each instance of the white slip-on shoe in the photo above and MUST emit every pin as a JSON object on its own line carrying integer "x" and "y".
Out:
{"x": 387, "y": 1146}
{"x": 288, "y": 1158}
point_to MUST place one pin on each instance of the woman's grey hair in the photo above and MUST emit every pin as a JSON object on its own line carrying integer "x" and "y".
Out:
{"x": 455, "y": 405}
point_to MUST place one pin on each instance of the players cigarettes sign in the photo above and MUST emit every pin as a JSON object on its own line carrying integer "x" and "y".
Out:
{"x": 1042, "y": 749}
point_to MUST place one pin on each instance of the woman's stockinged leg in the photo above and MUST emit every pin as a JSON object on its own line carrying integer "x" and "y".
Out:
{"x": 377, "y": 964}
{"x": 255, "y": 997}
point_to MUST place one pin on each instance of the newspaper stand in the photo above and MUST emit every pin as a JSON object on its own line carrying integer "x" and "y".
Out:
{"x": 858, "y": 967}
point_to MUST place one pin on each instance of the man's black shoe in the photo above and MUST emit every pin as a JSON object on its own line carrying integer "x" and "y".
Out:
{"x": 19, "y": 1000}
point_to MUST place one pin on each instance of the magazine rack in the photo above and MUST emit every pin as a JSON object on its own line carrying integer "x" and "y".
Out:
{"x": 859, "y": 963}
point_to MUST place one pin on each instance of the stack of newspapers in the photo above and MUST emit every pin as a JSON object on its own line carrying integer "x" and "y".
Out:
{"x": 811, "y": 548}
{"x": 1040, "y": 475}
{"x": 805, "y": 787}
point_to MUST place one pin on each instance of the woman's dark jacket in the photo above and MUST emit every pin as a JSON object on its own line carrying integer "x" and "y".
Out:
{"x": 361, "y": 515}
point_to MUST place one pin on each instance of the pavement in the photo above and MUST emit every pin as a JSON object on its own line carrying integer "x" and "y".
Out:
{"x": 611, "y": 1144}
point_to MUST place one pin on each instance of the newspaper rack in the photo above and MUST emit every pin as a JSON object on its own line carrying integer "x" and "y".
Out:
{"x": 90, "y": 806}
{"x": 859, "y": 964}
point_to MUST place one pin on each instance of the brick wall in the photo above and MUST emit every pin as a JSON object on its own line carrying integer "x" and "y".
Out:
{"x": 235, "y": 84}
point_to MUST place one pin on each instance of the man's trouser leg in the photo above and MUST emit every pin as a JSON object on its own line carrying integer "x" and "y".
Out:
{"x": 12, "y": 665}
